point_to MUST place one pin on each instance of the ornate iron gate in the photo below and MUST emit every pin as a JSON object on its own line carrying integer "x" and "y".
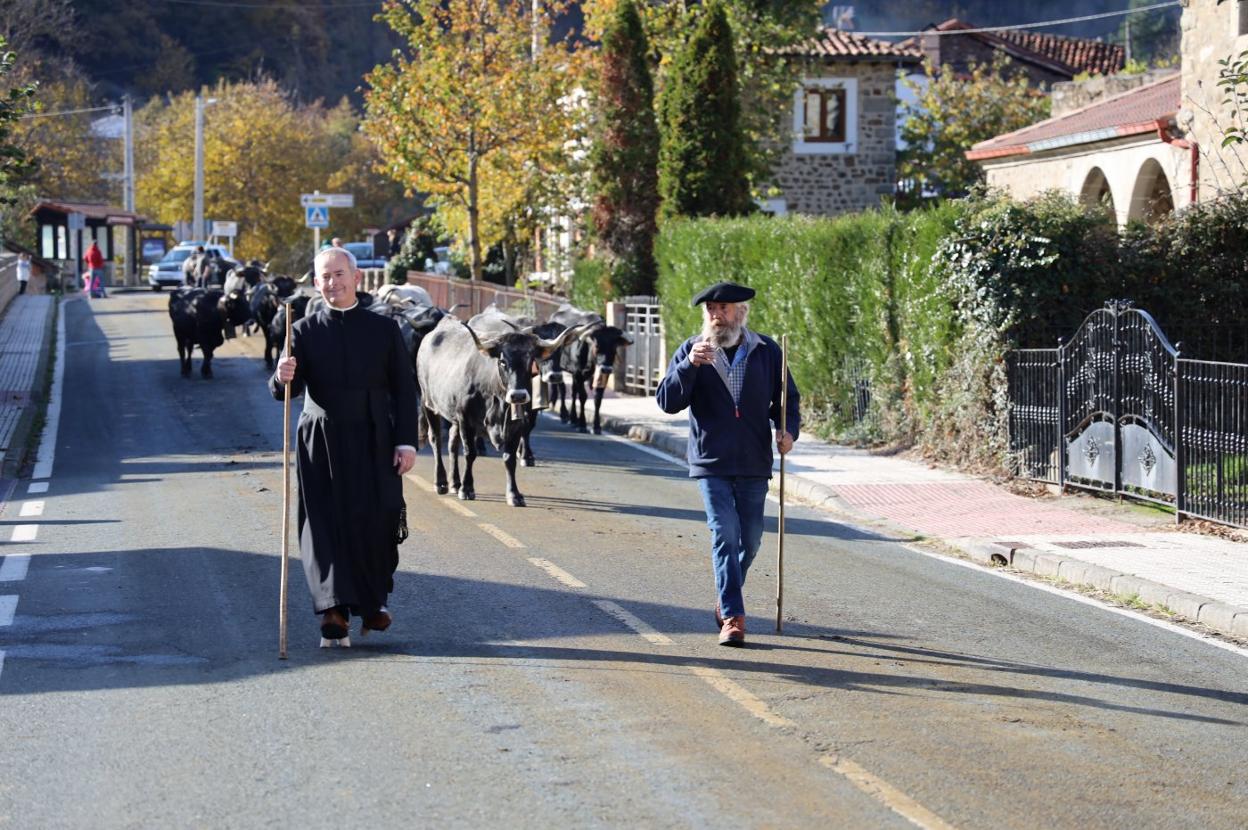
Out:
{"x": 1116, "y": 409}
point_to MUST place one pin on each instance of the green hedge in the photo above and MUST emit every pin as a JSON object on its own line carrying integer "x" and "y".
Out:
{"x": 852, "y": 293}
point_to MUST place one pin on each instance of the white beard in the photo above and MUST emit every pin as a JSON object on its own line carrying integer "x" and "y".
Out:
{"x": 724, "y": 336}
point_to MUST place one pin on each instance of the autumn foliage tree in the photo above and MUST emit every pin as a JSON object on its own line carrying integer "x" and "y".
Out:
{"x": 951, "y": 113}
{"x": 472, "y": 114}
{"x": 625, "y": 154}
{"x": 702, "y": 158}
{"x": 15, "y": 101}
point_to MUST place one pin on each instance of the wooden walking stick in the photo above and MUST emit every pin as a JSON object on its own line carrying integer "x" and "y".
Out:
{"x": 281, "y": 621}
{"x": 784, "y": 412}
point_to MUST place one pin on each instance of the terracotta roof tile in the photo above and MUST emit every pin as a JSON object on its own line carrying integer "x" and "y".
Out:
{"x": 1130, "y": 113}
{"x": 1071, "y": 54}
{"x": 835, "y": 43}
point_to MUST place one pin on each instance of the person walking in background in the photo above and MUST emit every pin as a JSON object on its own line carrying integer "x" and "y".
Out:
{"x": 23, "y": 272}
{"x": 730, "y": 380}
{"x": 94, "y": 259}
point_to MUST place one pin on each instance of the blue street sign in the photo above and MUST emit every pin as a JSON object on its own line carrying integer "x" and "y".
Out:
{"x": 316, "y": 217}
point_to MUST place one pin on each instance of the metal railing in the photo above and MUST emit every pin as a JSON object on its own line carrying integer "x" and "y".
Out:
{"x": 1118, "y": 410}
{"x": 474, "y": 296}
{"x": 645, "y": 361}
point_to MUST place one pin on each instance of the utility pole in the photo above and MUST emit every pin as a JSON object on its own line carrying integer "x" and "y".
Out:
{"x": 132, "y": 266}
{"x": 1128, "y": 43}
{"x": 197, "y": 217}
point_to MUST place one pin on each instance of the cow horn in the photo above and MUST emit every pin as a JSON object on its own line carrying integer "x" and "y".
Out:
{"x": 304, "y": 278}
{"x": 590, "y": 328}
{"x": 481, "y": 347}
{"x": 549, "y": 346}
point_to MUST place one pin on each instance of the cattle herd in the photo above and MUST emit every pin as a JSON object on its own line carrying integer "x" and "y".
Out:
{"x": 475, "y": 378}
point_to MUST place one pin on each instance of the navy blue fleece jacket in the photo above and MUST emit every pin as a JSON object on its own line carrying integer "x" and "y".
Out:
{"x": 728, "y": 440}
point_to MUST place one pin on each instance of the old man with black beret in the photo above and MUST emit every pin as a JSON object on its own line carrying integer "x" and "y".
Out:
{"x": 729, "y": 378}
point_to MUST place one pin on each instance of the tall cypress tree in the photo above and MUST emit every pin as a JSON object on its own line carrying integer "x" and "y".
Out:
{"x": 702, "y": 160}
{"x": 625, "y": 154}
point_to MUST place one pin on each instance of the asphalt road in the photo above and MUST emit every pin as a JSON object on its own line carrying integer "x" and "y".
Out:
{"x": 554, "y": 665}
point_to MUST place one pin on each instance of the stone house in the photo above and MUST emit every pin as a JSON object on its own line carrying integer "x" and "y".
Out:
{"x": 1141, "y": 146}
{"x": 842, "y": 156}
{"x": 956, "y": 45}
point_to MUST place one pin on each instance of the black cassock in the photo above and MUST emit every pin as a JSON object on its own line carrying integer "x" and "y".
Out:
{"x": 360, "y": 402}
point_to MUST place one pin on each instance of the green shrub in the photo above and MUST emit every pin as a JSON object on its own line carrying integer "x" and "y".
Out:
{"x": 591, "y": 285}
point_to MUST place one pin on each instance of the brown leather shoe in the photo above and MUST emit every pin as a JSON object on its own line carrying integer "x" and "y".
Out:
{"x": 377, "y": 622}
{"x": 334, "y": 625}
{"x": 733, "y": 632}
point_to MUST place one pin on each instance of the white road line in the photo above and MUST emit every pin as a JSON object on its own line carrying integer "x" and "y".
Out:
{"x": 640, "y": 626}
{"x": 52, "y": 422}
{"x": 8, "y": 605}
{"x": 501, "y": 535}
{"x": 421, "y": 483}
{"x": 453, "y": 503}
{"x": 743, "y": 697}
{"x": 1, "y": 662}
{"x": 31, "y": 508}
{"x": 885, "y": 793}
{"x": 24, "y": 533}
{"x": 14, "y": 566}
{"x": 37, "y": 487}
{"x": 557, "y": 572}
{"x": 1080, "y": 598}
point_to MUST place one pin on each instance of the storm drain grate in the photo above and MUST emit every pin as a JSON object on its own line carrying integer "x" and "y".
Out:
{"x": 1097, "y": 544}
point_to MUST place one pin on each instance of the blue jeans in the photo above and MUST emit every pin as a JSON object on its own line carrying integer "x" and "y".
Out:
{"x": 734, "y": 513}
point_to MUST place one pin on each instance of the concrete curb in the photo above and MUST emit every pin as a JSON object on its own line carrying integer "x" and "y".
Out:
{"x": 15, "y": 457}
{"x": 1218, "y": 616}
{"x": 1227, "y": 619}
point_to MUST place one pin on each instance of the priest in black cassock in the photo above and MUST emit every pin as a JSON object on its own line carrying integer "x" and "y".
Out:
{"x": 356, "y": 439}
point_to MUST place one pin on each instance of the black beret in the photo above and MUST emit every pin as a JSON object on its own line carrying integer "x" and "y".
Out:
{"x": 724, "y": 292}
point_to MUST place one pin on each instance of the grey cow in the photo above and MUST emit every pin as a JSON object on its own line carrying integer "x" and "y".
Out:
{"x": 479, "y": 382}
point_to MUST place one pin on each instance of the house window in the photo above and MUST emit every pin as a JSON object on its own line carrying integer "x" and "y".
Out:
{"x": 825, "y": 116}
{"x": 47, "y": 241}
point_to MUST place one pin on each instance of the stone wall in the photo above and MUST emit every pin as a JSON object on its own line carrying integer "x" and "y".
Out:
{"x": 834, "y": 183}
{"x": 1210, "y": 34}
{"x": 1073, "y": 95}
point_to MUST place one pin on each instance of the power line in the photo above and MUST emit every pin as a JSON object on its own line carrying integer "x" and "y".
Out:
{"x": 66, "y": 112}
{"x": 275, "y": 6}
{"x": 1039, "y": 25}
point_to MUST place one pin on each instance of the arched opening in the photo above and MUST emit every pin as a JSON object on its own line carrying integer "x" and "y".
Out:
{"x": 1151, "y": 200}
{"x": 1096, "y": 194}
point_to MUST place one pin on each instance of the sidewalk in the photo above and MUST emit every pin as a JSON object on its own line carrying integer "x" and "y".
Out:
{"x": 1202, "y": 578}
{"x": 25, "y": 339}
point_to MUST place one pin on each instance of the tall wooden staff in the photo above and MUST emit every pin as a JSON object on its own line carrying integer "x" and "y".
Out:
{"x": 281, "y": 623}
{"x": 784, "y": 414}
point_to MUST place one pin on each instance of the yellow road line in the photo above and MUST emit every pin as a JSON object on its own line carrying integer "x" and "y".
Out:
{"x": 885, "y": 793}
{"x": 453, "y": 503}
{"x": 737, "y": 693}
{"x": 633, "y": 622}
{"x": 427, "y": 486}
{"x": 557, "y": 572}
{"x": 499, "y": 534}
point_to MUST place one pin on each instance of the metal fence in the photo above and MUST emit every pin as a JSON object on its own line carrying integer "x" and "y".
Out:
{"x": 1117, "y": 410}
{"x": 645, "y": 361}
{"x": 472, "y": 297}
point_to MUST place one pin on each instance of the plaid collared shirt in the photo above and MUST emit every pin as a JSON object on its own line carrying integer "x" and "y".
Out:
{"x": 734, "y": 370}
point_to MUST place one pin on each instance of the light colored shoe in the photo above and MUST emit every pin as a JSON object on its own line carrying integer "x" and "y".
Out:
{"x": 733, "y": 632}
{"x": 719, "y": 618}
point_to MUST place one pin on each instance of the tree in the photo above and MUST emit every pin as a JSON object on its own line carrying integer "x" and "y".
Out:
{"x": 1150, "y": 37}
{"x": 951, "y": 114}
{"x": 470, "y": 113}
{"x": 15, "y": 101}
{"x": 702, "y": 164}
{"x": 261, "y": 151}
{"x": 625, "y": 154}
{"x": 762, "y": 33}
{"x": 73, "y": 159}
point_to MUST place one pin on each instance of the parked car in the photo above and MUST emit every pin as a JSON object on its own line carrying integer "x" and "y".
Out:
{"x": 365, "y": 256}
{"x": 168, "y": 271}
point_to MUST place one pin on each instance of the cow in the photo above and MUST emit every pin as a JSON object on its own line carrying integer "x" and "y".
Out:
{"x": 396, "y": 293}
{"x": 296, "y": 307}
{"x": 589, "y": 359}
{"x": 480, "y": 384}
{"x": 197, "y": 321}
{"x": 265, "y": 301}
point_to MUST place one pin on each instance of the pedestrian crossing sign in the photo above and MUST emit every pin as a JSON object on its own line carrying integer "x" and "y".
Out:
{"x": 316, "y": 216}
